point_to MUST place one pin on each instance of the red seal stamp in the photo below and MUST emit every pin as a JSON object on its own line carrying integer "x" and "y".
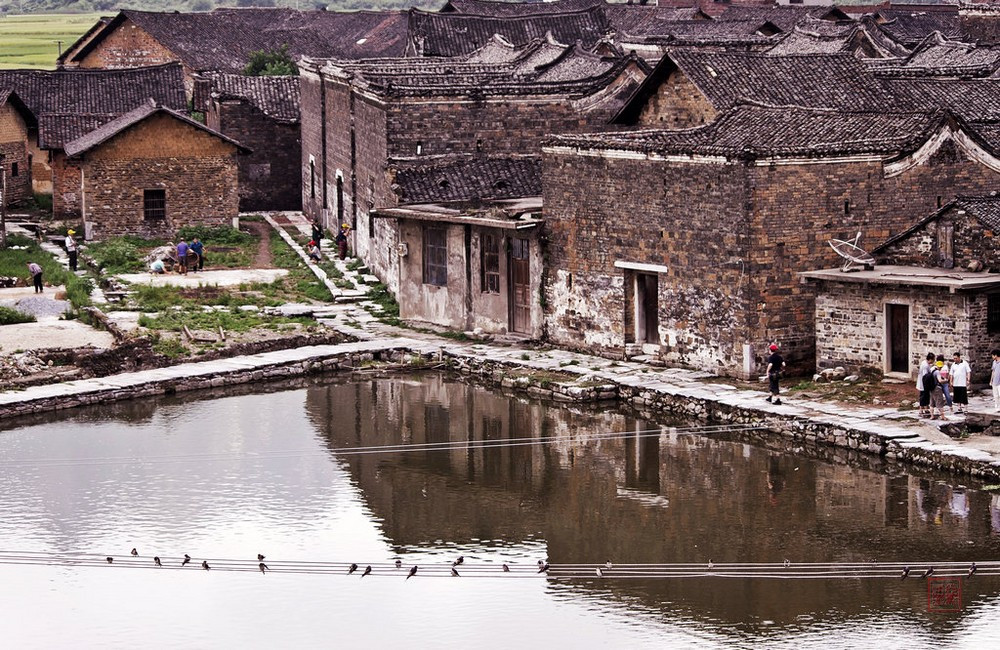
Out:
{"x": 944, "y": 594}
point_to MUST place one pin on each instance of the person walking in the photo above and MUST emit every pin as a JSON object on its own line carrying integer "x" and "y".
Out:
{"x": 36, "y": 276}
{"x": 182, "y": 251}
{"x": 198, "y": 249}
{"x": 775, "y": 364}
{"x": 925, "y": 395}
{"x": 317, "y": 231}
{"x": 71, "y": 249}
{"x": 995, "y": 379}
{"x": 960, "y": 373}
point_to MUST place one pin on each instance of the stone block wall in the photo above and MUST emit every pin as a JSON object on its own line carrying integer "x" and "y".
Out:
{"x": 971, "y": 241}
{"x": 851, "y": 326}
{"x": 14, "y": 153}
{"x": 677, "y": 104}
{"x": 797, "y": 209}
{"x": 269, "y": 177}
{"x": 65, "y": 186}
{"x": 311, "y": 143}
{"x": 197, "y": 170}
{"x": 690, "y": 218}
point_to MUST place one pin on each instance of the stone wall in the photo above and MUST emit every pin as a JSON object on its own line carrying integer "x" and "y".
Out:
{"x": 688, "y": 218}
{"x": 197, "y": 170}
{"x": 14, "y": 150}
{"x": 971, "y": 242}
{"x": 797, "y": 209}
{"x": 311, "y": 143}
{"x": 65, "y": 186}
{"x": 129, "y": 46}
{"x": 269, "y": 177}
{"x": 677, "y": 104}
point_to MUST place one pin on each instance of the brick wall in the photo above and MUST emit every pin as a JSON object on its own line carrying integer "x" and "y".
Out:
{"x": 65, "y": 186}
{"x": 851, "y": 326}
{"x": 677, "y": 104}
{"x": 311, "y": 143}
{"x": 129, "y": 46}
{"x": 269, "y": 177}
{"x": 14, "y": 149}
{"x": 797, "y": 209}
{"x": 971, "y": 241}
{"x": 688, "y": 218}
{"x": 197, "y": 170}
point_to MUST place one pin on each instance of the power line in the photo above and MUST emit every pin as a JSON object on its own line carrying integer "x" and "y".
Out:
{"x": 452, "y": 445}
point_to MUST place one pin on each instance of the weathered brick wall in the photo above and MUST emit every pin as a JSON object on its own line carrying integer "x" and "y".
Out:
{"x": 65, "y": 186}
{"x": 14, "y": 150}
{"x": 269, "y": 177}
{"x": 197, "y": 170}
{"x": 971, "y": 241}
{"x": 851, "y": 326}
{"x": 41, "y": 170}
{"x": 129, "y": 46}
{"x": 311, "y": 144}
{"x": 677, "y": 104}
{"x": 687, "y": 217}
{"x": 797, "y": 209}
{"x": 375, "y": 240}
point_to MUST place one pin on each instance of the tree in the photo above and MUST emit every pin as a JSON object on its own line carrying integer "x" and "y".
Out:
{"x": 271, "y": 63}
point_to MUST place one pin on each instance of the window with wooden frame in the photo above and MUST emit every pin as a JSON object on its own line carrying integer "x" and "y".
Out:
{"x": 435, "y": 255}
{"x": 490, "y": 268}
{"x": 154, "y": 204}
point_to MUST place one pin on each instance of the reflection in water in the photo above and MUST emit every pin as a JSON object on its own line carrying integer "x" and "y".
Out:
{"x": 234, "y": 476}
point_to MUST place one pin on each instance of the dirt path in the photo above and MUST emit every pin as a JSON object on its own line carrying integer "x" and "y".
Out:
{"x": 264, "y": 259}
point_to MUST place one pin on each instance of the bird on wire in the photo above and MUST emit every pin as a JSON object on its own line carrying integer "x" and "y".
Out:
{"x": 412, "y": 572}
{"x": 110, "y": 559}
{"x": 608, "y": 565}
{"x": 787, "y": 563}
{"x": 506, "y": 569}
{"x": 204, "y": 565}
{"x": 263, "y": 567}
{"x": 543, "y": 568}
{"x": 156, "y": 561}
{"x": 461, "y": 558}
{"x": 600, "y": 572}
{"x": 351, "y": 569}
{"x": 187, "y": 558}
{"x": 134, "y": 552}
{"x": 711, "y": 565}
{"x": 260, "y": 557}
{"x": 929, "y": 572}
{"x": 905, "y": 573}
{"x": 972, "y": 570}
{"x": 399, "y": 564}
{"x": 368, "y": 569}
{"x": 454, "y": 573}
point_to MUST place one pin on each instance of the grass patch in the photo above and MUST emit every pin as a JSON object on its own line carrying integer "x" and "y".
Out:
{"x": 30, "y": 40}
{"x": 381, "y": 296}
{"x": 300, "y": 282}
{"x": 148, "y": 298}
{"x": 170, "y": 347}
{"x": 43, "y": 202}
{"x": 21, "y": 250}
{"x": 10, "y": 316}
{"x": 233, "y": 320}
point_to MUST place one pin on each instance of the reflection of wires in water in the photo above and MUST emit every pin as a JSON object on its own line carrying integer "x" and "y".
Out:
{"x": 742, "y": 570}
{"x": 454, "y": 445}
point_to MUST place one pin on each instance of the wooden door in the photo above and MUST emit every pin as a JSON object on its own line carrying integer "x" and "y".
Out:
{"x": 899, "y": 337}
{"x": 520, "y": 286}
{"x": 648, "y": 304}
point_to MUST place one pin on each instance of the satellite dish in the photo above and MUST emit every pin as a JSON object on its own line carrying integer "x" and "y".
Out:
{"x": 852, "y": 253}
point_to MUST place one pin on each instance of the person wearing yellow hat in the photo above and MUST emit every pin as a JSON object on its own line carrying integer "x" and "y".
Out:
{"x": 937, "y": 393}
{"x": 342, "y": 240}
{"x": 71, "y": 249}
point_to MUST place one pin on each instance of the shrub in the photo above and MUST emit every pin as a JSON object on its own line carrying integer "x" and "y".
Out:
{"x": 219, "y": 235}
{"x": 117, "y": 255}
{"x": 10, "y": 316}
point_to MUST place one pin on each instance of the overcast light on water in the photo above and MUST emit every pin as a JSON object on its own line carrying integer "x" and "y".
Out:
{"x": 227, "y": 476}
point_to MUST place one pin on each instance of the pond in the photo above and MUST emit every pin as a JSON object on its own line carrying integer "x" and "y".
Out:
{"x": 225, "y": 476}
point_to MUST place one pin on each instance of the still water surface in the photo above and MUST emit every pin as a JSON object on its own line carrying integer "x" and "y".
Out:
{"x": 229, "y": 476}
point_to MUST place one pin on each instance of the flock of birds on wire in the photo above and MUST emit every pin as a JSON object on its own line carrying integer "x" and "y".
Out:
{"x": 783, "y": 570}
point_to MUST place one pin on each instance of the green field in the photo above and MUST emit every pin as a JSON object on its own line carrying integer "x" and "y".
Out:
{"x": 31, "y": 41}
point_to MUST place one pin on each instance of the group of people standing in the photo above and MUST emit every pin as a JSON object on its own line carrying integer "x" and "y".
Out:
{"x": 943, "y": 384}
{"x": 312, "y": 248}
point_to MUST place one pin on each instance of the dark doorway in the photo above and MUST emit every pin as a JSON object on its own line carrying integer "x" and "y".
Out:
{"x": 520, "y": 287}
{"x": 647, "y": 309}
{"x": 899, "y": 337}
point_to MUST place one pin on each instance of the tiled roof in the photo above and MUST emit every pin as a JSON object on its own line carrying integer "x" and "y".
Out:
{"x": 70, "y": 102}
{"x": 785, "y": 17}
{"x": 938, "y": 56}
{"x": 986, "y": 209}
{"x": 506, "y": 9}
{"x": 123, "y": 122}
{"x": 277, "y": 97}
{"x": 974, "y": 100}
{"x": 814, "y": 81}
{"x": 466, "y": 179}
{"x": 862, "y": 38}
{"x": 224, "y": 39}
{"x": 910, "y": 27}
{"x": 709, "y": 32}
{"x": 752, "y": 131}
{"x": 455, "y": 34}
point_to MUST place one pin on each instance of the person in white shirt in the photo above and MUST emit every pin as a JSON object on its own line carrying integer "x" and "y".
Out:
{"x": 960, "y": 373}
{"x": 925, "y": 396}
{"x": 71, "y": 249}
{"x": 995, "y": 378}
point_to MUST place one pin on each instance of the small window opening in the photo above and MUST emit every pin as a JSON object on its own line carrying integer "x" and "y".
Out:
{"x": 13, "y": 169}
{"x": 420, "y": 148}
{"x": 479, "y": 145}
{"x": 939, "y": 201}
{"x": 444, "y": 184}
{"x": 312, "y": 179}
{"x": 569, "y": 281}
{"x": 847, "y": 207}
{"x": 491, "y": 264}
{"x": 154, "y": 204}
{"x": 435, "y": 256}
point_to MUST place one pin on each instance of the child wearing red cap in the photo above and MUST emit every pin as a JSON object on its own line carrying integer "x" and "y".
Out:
{"x": 775, "y": 364}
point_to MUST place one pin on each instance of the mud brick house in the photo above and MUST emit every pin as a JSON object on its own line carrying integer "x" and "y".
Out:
{"x": 689, "y": 88}
{"x": 152, "y": 171}
{"x": 356, "y": 117}
{"x": 468, "y": 247}
{"x": 69, "y": 104}
{"x": 16, "y": 119}
{"x": 936, "y": 288}
{"x": 707, "y": 277}
{"x": 262, "y": 113}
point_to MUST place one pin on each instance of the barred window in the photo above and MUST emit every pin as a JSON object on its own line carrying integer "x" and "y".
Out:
{"x": 154, "y": 204}
{"x": 435, "y": 256}
{"x": 491, "y": 264}
{"x": 993, "y": 313}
